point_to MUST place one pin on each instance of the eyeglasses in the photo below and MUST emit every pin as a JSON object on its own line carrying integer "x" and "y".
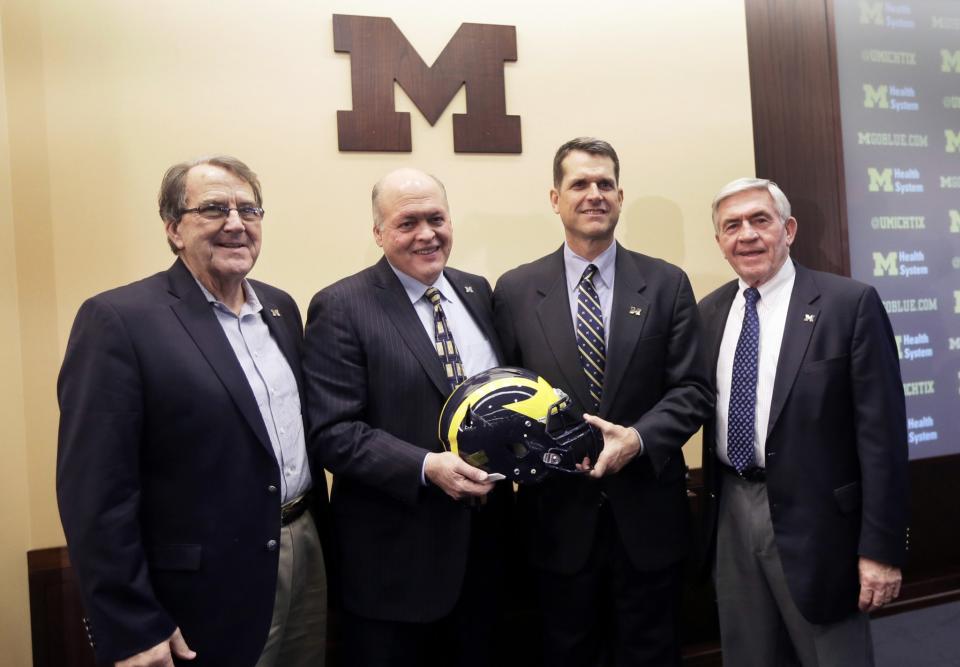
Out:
{"x": 219, "y": 212}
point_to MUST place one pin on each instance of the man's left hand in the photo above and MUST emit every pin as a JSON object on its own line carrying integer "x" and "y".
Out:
{"x": 620, "y": 445}
{"x": 879, "y": 584}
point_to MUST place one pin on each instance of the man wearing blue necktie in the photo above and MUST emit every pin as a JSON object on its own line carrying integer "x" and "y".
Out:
{"x": 805, "y": 458}
{"x": 619, "y": 332}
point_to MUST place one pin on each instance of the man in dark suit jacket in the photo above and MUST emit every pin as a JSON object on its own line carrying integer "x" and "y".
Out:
{"x": 183, "y": 530}
{"x": 608, "y": 546}
{"x": 416, "y": 527}
{"x": 806, "y": 458}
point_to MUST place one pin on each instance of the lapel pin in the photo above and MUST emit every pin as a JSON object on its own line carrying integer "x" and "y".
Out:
{"x": 275, "y": 312}
{"x": 809, "y": 317}
{"x": 468, "y": 289}
{"x": 636, "y": 310}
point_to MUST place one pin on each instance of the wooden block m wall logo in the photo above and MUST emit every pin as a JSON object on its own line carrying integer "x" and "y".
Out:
{"x": 380, "y": 55}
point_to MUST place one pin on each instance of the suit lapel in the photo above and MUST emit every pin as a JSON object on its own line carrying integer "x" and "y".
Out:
{"x": 472, "y": 296}
{"x": 279, "y": 326}
{"x": 802, "y": 318}
{"x": 628, "y": 313}
{"x": 553, "y": 312}
{"x": 396, "y": 304}
{"x": 715, "y": 322}
{"x": 197, "y": 317}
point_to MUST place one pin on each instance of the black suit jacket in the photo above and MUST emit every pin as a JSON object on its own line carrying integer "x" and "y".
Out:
{"x": 655, "y": 382}
{"x": 166, "y": 479}
{"x": 376, "y": 387}
{"x": 836, "y": 450}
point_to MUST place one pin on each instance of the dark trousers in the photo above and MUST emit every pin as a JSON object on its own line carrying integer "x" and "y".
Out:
{"x": 469, "y": 636}
{"x": 610, "y": 613}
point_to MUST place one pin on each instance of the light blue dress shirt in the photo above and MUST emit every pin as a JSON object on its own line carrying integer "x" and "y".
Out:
{"x": 476, "y": 352}
{"x": 605, "y": 262}
{"x": 273, "y": 385}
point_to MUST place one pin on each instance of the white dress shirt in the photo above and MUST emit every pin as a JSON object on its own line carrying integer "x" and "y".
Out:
{"x": 772, "y": 313}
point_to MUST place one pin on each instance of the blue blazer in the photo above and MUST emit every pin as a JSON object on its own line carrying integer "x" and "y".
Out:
{"x": 836, "y": 450}
{"x": 166, "y": 479}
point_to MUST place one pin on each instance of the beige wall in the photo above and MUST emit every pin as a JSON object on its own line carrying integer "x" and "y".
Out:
{"x": 102, "y": 95}
{"x": 14, "y": 495}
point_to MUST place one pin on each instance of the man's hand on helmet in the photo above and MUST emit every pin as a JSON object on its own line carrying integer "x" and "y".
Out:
{"x": 456, "y": 477}
{"x": 620, "y": 445}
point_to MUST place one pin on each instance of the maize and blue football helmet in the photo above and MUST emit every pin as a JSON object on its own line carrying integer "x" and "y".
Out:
{"x": 511, "y": 421}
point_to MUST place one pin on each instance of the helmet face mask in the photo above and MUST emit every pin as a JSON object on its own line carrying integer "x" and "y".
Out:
{"x": 510, "y": 421}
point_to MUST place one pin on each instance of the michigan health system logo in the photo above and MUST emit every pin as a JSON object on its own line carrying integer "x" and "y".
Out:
{"x": 903, "y": 263}
{"x": 888, "y": 96}
{"x": 896, "y": 15}
{"x": 950, "y": 61}
{"x": 893, "y": 179}
{"x": 953, "y": 141}
{"x": 914, "y": 346}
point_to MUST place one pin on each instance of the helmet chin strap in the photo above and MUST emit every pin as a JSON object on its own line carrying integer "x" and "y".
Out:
{"x": 572, "y": 446}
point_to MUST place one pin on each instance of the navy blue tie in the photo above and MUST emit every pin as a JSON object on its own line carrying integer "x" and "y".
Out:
{"x": 742, "y": 412}
{"x": 590, "y": 336}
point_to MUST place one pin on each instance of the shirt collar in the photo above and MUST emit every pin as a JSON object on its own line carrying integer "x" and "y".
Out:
{"x": 415, "y": 289}
{"x": 251, "y": 302}
{"x": 575, "y": 265}
{"x": 771, "y": 289}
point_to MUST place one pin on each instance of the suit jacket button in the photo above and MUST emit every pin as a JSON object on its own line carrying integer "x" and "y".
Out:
{"x": 271, "y": 489}
{"x": 272, "y": 545}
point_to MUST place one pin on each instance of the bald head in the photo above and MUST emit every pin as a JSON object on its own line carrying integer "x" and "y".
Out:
{"x": 398, "y": 182}
{"x": 411, "y": 222}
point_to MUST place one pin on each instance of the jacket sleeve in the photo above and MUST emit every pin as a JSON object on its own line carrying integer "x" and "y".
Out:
{"x": 98, "y": 484}
{"x": 687, "y": 400}
{"x": 881, "y": 433}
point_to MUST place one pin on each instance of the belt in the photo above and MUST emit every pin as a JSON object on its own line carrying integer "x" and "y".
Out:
{"x": 293, "y": 510}
{"x": 754, "y": 474}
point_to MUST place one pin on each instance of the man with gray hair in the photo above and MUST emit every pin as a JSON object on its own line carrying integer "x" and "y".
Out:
{"x": 186, "y": 495}
{"x": 805, "y": 458}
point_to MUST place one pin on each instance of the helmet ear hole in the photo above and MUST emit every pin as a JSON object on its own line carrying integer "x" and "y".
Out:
{"x": 519, "y": 449}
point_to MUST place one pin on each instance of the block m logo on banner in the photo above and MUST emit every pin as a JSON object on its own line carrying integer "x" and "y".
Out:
{"x": 380, "y": 55}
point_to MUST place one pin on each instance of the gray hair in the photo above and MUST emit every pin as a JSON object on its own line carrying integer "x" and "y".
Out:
{"x": 173, "y": 188}
{"x": 375, "y": 199}
{"x": 780, "y": 201}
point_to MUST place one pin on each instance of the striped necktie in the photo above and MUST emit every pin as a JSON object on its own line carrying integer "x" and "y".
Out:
{"x": 590, "y": 335}
{"x": 742, "y": 412}
{"x": 443, "y": 340}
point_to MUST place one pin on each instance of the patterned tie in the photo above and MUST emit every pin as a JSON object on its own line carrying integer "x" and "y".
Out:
{"x": 741, "y": 415}
{"x": 590, "y": 335}
{"x": 443, "y": 337}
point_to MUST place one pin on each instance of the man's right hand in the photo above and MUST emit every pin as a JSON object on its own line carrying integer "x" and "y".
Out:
{"x": 161, "y": 654}
{"x": 456, "y": 477}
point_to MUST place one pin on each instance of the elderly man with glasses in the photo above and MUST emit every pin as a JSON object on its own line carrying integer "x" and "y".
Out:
{"x": 185, "y": 491}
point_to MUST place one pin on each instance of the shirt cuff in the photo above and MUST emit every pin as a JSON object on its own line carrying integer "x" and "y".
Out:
{"x": 640, "y": 453}
{"x": 423, "y": 470}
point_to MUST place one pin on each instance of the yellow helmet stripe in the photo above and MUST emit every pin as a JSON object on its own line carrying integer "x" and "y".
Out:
{"x": 539, "y": 403}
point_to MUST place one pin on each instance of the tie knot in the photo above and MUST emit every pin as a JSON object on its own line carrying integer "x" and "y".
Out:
{"x": 588, "y": 274}
{"x": 752, "y": 295}
{"x": 433, "y": 295}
